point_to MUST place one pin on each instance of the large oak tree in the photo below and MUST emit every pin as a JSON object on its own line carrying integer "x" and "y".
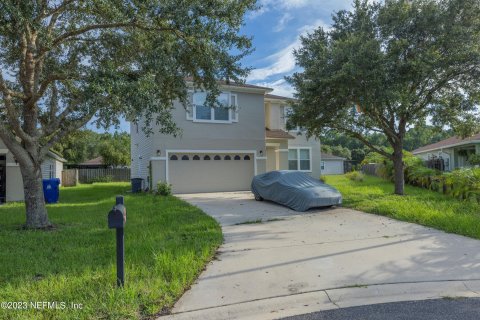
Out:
{"x": 66, "y": 62}
{"x": 384, "y": 67}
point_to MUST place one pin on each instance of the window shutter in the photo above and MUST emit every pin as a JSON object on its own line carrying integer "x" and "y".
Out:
{"x": 234, "y": 110}
{"x": 189, "y": 108}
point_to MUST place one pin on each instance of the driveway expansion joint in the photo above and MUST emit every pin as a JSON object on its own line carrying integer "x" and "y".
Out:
{"x": 319, "y": 243}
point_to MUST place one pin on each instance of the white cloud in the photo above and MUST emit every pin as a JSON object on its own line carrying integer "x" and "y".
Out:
{"x": 288, "y": 4}
{"x": 280, "y": 87}
{"x": 315, "y": 5}
{"x": 283, "y": 61}
{"x": 286, "y": 17}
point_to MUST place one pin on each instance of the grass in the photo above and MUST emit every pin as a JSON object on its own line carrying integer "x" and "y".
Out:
{"x": 167, "y": 244}
{"x": 249, "y": 222}
{"x": 421, "y": 206}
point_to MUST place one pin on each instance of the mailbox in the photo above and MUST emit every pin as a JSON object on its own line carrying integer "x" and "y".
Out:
{"x": 116, "y": 220}
{"x": 117, "y": 217}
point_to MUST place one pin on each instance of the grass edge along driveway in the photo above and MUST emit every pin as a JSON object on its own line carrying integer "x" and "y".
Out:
{"x": 167, "y": 244}
{"x": 421, "y": 206}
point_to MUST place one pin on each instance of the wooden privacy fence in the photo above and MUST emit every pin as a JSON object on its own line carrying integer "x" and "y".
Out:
{"x": 103, "y": 175}
{"x": 69, "y": 177}
{"x": 371, "y": 169}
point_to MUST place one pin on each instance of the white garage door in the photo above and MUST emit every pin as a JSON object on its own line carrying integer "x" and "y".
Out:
{"x": 210, "y": 172}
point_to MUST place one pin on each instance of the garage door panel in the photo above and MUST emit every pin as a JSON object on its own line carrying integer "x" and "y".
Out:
{"x": 190, "y": 176}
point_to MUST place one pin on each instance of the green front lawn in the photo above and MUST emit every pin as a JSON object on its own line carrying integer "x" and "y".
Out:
{"x": 425, "y": 207}
{"x": 167, "y": 244}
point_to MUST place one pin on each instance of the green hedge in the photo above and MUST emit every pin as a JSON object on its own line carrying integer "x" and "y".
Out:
{"x": 460, "y": 183}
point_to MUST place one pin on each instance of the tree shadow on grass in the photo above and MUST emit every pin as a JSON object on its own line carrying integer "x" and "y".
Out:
{"x": 83, "y": 241}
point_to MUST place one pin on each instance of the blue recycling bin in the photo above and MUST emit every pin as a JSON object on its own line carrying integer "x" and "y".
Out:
{"x": 51, "y": 190}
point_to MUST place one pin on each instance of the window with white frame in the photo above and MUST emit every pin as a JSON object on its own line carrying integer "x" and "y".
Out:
{"x": 299, "y": 159}
{"x": 287, "y": 111}
{"x": 227, "y": 113}
{"x": 322, "y": 165}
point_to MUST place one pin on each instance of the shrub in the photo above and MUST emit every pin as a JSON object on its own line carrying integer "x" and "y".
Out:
{"x": 417, "y": 174}
{"x": 474, "y": 159}
{"x": 107, "y": 178}
{"x": 464, "y": 183}
{"x": 164, "y": 189}
{"x": 355, "y": 176}
{"x": 461, "y": 183}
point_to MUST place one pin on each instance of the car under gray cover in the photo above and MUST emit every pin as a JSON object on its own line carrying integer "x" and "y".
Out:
{"x": 294, "y": 189}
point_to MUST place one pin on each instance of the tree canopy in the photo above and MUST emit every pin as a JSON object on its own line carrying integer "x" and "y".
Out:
{"x": 384, "y": 67}
{"x": 86, "y": 144}
{"x": 65, "y": 62}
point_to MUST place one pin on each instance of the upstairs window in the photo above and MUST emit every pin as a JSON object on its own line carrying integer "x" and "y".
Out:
{"x": 226, "y": 113}
{"x": 287, "y": 111}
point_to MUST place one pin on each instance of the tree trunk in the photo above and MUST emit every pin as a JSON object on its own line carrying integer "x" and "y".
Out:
{"x": 398, "y": 168}
{"x": 34, "y": 199}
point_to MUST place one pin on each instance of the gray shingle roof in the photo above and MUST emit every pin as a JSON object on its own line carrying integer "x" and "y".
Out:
{"x": 327, "y": 156}
{"x": 447, "y": 143}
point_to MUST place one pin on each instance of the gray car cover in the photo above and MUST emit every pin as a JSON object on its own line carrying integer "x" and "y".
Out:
{"x": 294, "y": 189}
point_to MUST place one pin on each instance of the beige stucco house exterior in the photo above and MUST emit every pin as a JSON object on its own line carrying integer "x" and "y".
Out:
{"x": 222, "y": 149}
{"x": 11, "y": 183}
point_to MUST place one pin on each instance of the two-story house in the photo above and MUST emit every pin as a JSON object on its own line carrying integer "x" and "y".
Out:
{"x": 221, "y": 149}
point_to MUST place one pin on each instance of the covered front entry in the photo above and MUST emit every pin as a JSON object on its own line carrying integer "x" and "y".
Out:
{"x": 192, "y": 172}
{"x": 277, "y": 154}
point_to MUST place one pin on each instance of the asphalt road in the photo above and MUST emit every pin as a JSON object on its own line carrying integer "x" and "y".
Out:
{"x": 439, "y": 309}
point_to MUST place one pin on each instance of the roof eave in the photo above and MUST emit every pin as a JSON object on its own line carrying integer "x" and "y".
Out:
{"x": 445, "y": 147}
{"x": 240, "y": 88}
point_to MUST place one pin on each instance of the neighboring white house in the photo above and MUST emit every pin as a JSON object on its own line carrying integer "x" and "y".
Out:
{"x": 221, "y": 149}
{"x": 11, "y": 183}
{"x": 331, "y": 164}
{"x": 453, "y": 152}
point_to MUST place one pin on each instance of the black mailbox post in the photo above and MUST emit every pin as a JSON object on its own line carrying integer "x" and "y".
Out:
{"x": 116, "y": 220}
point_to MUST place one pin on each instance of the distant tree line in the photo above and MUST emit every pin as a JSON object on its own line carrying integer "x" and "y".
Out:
{"x": 352, "y": 149}
{"x": 86, "y": 144}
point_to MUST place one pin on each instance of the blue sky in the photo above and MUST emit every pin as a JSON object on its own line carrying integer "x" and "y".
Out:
{"x": 276, "y": 29}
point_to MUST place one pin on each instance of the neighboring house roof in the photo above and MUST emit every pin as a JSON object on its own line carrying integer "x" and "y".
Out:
{"x": 277, "y": 134}
{"x": 450, "y": 142}
{"x": 98, "y": 161}
{"x": 327, "y": 156}
{"x": 275, "y": 97}
{"x": 56, "y": 156}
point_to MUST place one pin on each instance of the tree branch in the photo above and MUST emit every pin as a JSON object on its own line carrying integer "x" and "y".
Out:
{"x": 67, "y": 129}
{"x": 56, "y": 11}
{"x": 12, "y": 114}
{"x": 358, "y": 136}
{"x": 85, "y": 29}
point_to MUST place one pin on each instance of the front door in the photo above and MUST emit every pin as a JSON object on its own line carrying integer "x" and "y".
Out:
{"x": 3, "y": 180}
{"x": 272, "y": 159}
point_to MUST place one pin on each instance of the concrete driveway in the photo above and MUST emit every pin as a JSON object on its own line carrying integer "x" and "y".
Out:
{"x": 295, "y": 263}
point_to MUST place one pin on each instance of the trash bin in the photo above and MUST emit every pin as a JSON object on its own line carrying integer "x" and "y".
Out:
{"x": 137, "y": 185}
{"x": 51, "y": 190}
